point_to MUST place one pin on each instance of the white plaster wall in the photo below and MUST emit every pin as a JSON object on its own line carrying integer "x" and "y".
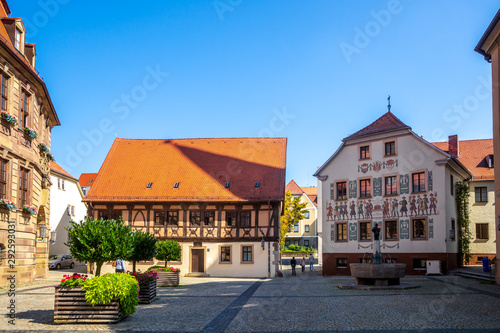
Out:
{"x": 59, "y": 218}
{"x": 412, "y": 155}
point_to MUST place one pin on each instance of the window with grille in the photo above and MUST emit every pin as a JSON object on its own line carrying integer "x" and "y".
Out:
{"x": 246, "y": 253}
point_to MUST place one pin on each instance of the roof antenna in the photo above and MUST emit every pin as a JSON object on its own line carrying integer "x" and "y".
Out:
{"x": 389, "y": 103}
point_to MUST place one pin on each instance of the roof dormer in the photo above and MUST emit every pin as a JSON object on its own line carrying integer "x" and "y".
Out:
{"x": 16, "y": 31}
{"x": 30, "y": 53}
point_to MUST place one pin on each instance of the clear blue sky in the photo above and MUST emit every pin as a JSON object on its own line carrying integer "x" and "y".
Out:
{"x": 312, "y": 71}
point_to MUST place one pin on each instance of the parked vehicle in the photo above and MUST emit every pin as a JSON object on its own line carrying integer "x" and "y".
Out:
{"x": 58, "y": 261}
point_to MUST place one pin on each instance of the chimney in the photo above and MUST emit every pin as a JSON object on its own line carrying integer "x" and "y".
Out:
{"x": 453, "y": 145}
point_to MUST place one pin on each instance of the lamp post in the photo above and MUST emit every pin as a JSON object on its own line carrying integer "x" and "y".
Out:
{"x": 53, "y": 235}
{"x": 43, "y": 232}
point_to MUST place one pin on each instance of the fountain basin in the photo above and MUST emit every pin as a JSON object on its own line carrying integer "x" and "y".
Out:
{"x": 378, "y": 274}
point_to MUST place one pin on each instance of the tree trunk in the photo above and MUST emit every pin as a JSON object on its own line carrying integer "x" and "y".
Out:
{"x": 98, "y": 268}
{"x": 165, "y": 263}
{"x": 133, "y": 265}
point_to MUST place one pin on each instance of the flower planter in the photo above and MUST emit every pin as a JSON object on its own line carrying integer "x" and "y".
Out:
{"x": 147, "y": 294}
{"x": 70, "y": 308}
{"x": 168, "y": 279}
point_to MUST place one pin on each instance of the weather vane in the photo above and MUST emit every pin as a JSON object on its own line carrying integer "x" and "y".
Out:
{"x": 389, "y": 103}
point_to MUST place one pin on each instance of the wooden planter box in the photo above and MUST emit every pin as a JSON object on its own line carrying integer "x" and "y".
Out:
{"x": 147, "y": 294}
{"x": 168, "y": 279}
{"x": 70, "y": 308}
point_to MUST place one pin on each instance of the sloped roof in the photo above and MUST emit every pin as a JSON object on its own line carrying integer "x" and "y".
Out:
{"x": 312, "y": 193}
{"x": 388, "y": 122}
{"x": 54, "y": 167}
{"x": 200, "y": 166}
{"x": 473, "y": 155}
{"x": 293, "y": 188}
{"x": 87, "y": 179}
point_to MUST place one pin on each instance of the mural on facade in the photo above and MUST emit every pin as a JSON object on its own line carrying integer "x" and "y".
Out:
{"x": 353, "y": 231}
{"x": 377, "y": 166}
{"x": 404, "y": 229}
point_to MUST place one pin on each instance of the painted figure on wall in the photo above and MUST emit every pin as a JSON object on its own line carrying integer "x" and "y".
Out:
{"x": 385, "y": 210}
{"x": 353, "y": 210}
{"x": 345, "y": 214}
{"x": 329, "y": 214}
{"x": 395, "y": 205}
{"x": 403, "y": 209}
{"x": 337, "y": 212}
{"x": 360, "y": 210}
{"x": 413, "y": 206}
{"x": 420, "y": 205}
{"x": 426, "y": 204}
{"x": 433, "y": 202}
{"x": 368, "y": 209}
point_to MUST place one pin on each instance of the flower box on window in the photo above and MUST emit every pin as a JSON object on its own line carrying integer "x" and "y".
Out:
{"x": 30, "y": 132}
{"x": 44, "y": 148}
{"x": 8, "y": 117}
{"x": 29, "y": 209}
{"x": 51, "y": 157}
{"x": 7, "y": 204}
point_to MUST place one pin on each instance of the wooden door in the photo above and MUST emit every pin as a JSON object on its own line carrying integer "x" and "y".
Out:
{"x": 197, "y": 260}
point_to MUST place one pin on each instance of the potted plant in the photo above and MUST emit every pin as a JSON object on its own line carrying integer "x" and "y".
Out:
{"x": 102, "y": 300}
{"x": 147, "y": 285}
{"x": 30, "y": 132}
{"x": 51, "y": 157}
{"x": 167, "y": 250}
{"x": 11, "y": 119}
{"x": 43, "y": 148}
{"x": 29, "y": 209}
{"x": 7, "y": 204}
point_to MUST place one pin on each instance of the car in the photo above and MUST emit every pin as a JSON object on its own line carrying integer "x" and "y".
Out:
{"x": 58, "y": 261}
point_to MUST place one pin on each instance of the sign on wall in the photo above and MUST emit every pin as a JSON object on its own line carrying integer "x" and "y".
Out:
{"x": 404, "y": 229}
{"x": 353, "y": 231}
{"x": 404, "y": 184}
{"x": 352, "y": 189}
{"x": 377, "y": 187}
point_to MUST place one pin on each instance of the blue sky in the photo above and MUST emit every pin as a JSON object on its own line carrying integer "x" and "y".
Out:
{"x": 312, "y": 71}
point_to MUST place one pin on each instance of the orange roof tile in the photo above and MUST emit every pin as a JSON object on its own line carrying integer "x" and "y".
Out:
{"x": 87, "y": 179}
{"x": 293, "y": 188}
{"x": 386, "y": 123}
{"x": 57, "y": 168}
{"x": 201, "y": 166}
{"x": 312, "y": 193}
{"x": 473, "y": 155}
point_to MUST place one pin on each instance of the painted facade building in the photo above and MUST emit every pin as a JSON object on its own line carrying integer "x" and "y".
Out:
{"x": 385, "y": 175}
{"x": 477, "y": 156}
{"x": 65, "y": 205}
{"x": 26, "y": 120}
{"x": 86, "y": 180}
{"x": 221, "y": 199}
{"x": 488, "y": 47}
{"x": 304, "y": 232}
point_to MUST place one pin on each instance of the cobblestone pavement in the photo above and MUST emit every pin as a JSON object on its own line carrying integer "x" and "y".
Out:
{"x": 304, "y": 303}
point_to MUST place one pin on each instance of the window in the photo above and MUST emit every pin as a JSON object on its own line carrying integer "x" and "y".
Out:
{"x": 58, "y": 183}
{"x": 365, "y": 231}
{"x": 23, "y": 187}
{"x": 3, "y": 179}
{"x": 116, "y": 214}
{"x": 418, "y": 182}
{"x": 341, "y": 190}
{"x": 195, "y": 217}
{"x": 24, "y": 117}
{"x": 390, "y": 148}
{"x": 149, "y": 185}
{"x": 364, "y": 152}
{"x": 209, "y": 218}
{"x": 245, "y": 218}
{"x": 296, "y": 227}
{"x": 102, "y": 214}
{"x": 225, "y": 254}
{"x": 341, "y": 262}
{"x": 451, "y": 184}
{"x": 491, "y": 161}
{"x": 159, "y": 218}
{"x": 306, "y": 242}
{"x": 231, "y": 218}
{"x": 419, "y": 264}
{"x": 419, "y": 231}
{"x": 391, "y": 185}
{"x": 481, "y": 194}
{"x": 365, "y": 190}
{"x": 257, "y": 184}
{"x": 246, "y": 254}
{"x": 62, "y": 185}
{"x": 452, "y": 231}
{"x": 68, "y": 210}
{"x": 84, "y": 191}
{"x": 176, "y": 185}
{"x": 72, "y": 210}
{"x": 391, "y": 230}
{"x": 307, "y": 228}
{"x": 342, "y": 232}
{"x": 227, "y": 185}
{"x": 4, "y": 92}
{"x": 482, "y": 231}
{"x": 306, "y": 215}
{"x": 17, "y": 39}
{"x": 173, "y": 217}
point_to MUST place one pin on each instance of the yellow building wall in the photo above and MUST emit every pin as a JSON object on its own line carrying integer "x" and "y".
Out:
{"x": 482, "y": 212}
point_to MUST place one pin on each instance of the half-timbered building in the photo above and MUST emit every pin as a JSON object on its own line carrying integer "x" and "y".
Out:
{"x": 220, "y": 198}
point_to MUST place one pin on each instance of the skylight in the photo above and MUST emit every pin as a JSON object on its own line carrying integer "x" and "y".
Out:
{"x": 149, "y": 185}
{"x": 257, "y": 184}
{"x": 176, "y": 185}
{"x": 227, "y": 185}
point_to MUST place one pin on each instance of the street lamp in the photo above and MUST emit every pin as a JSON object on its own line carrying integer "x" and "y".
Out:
{"x": 263, "y": 243}
{"x": 43, "y": 232}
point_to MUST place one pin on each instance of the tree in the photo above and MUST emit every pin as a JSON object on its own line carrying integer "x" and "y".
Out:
{"x": 293, "y": 213}
{"x": 144, "y": 247}
{"x": 168, "y": 250}
{"x": 99, "y": 241}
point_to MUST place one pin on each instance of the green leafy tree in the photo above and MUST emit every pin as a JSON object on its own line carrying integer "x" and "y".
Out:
{"x": 144, "y": 247}
{"x": 464, "y": 233}
{"x": 99, "y": 241}
{"x": 293, "y": 213}
{"x": 168, "y": 250}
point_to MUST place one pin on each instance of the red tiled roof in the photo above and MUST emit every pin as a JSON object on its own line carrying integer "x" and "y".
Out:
{"x": 312, "y": 193}
{"x": 293, "y": 188}
{"x": 201, "y": 166}
{"x": 57, "y": 168}
{"x": 87, "y": 179}
{"x": 388, "y": 122}
{"x": 473, "y": 155}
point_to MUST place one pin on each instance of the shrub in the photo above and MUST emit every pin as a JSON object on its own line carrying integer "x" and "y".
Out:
{"x": 164, "y": 269}
{"x": 145, "y": 279}
{"x": 168, "y": 250}
{"x": 75, "y": 280}
{"x": 112, "y": 287}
